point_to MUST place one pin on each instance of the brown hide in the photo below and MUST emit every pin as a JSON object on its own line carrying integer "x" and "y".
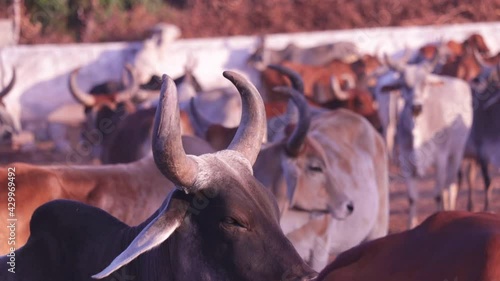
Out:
{"x": 130, "y": 192}
{"x": 313, "y": 76}
{"x": 454, "y": 246}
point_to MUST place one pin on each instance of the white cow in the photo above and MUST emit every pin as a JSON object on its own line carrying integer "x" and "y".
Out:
{"x": 330, "y": 176}
{"x": 432, "y": 129}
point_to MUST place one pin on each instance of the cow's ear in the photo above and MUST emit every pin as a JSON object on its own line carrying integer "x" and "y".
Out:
{"x": 391, "y": 87}
{"x": 156, "y": 232}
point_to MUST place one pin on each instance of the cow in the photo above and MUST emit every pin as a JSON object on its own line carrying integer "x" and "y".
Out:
{"x": 129, "y": 192}
{"x": 321, "y": 83}
{"x": 452, "y": 49}
{"x": 110, "y": 122}
{"x": 317, "y": 56}
{"x": 446, "y": 246}
{"x": 221, "y": 104}
{"x": 7, "y": 127}
{"x": 219, "y": 223}
{"x": 432, "y": 128}
{"x": 105, "y": 106}
{"x": 151, "y": 89}
{"x": 326, "y": 207}
{"x": 355, "y": 99}
{"x": 484, "y": 140}
{"x": 137, "y": 128}
{"x": 467, "y": 66}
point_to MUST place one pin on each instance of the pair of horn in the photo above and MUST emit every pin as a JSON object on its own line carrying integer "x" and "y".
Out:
{"x": 182, "y": 169}
{"x": 9, "y": 86}
{"x": 90, "y": 100}
{"x": 296, "y": 94}
{"x": 168, "y": 152}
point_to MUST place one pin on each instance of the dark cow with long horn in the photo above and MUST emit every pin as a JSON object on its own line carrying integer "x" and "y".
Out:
{"x": 222, "y": 225}
{"x": 7, "y": 126}
{"x": 105, "y": 105}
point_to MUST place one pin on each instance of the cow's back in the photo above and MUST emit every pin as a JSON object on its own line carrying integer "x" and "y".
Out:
{"x": 447, "y": 246}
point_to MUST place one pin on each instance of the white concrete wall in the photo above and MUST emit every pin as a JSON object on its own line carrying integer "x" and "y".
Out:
{"x": 43, "y": 70}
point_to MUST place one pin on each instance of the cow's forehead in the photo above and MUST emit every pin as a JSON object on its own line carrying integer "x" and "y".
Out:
{"x": 222, "y": 164}
{"x": 229, "y": 167}
{"x": 414, "y": 74}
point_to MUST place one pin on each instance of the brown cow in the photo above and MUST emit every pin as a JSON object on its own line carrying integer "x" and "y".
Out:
{"x": 454, "y": 246}
{"x": 321, "y": 83}
{"x": 121, "y": 190}
{"x": 357, "y": 100}
{"x": 462, "y": 60}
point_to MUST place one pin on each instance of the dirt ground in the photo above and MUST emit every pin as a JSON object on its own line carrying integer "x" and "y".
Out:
{"x": 44, "y": 154}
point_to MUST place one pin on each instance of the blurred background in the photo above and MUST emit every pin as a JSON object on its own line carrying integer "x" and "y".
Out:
{"x": 43, "y": 41}
{"x": 64, "y": 21}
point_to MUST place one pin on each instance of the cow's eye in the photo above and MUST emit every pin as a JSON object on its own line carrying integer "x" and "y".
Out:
{"x": 315, "y": 168}
{"x": 232, "y": 222}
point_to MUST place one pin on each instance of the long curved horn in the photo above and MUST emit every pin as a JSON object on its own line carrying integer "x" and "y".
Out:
{"x": 132, "y": 87}
{"x": 9, "y": 87}
{"x": 80, "y": 95}
{"x": 296, "y": 140}
{"x": 337, "y": 90}
{"x": 168, "y": 152}
{"x": 295, "y": 78}
{"x": 248, "y": 138}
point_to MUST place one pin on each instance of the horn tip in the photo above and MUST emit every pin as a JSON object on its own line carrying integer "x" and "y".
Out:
{"x": 228, "y": 74}
{"x": 76, "y": 70}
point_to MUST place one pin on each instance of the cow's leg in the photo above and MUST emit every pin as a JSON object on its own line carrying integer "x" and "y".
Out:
{"x": 483, "y": 163}
{"x": 470, "y": 173}
{"x": 451, "y": 180}
{"x": 453, "y": 196}
{"x": 442, "y": 194}
{"x": 453, "y": 167}
{"x": 412, "y": 199}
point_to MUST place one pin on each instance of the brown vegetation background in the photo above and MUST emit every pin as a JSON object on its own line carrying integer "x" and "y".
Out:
{"x": 64, "y": 21}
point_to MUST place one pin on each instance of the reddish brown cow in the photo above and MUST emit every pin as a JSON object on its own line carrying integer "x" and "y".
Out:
{"x": 476, "y": 41}
{"x": 358, "y": 100}
{"x": 454, "y": 246}
{"x": 321, "y": 83}
{"x": 455, "y": 49}
{"x": 466, "y": 67}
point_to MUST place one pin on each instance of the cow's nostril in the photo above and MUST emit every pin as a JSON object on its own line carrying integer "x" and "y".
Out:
{"x": 350, "y": 207}
{"x": 416, "y": 109}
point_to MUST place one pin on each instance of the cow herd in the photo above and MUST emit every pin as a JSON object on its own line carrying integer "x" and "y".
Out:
{"x": 240, "y": 183}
